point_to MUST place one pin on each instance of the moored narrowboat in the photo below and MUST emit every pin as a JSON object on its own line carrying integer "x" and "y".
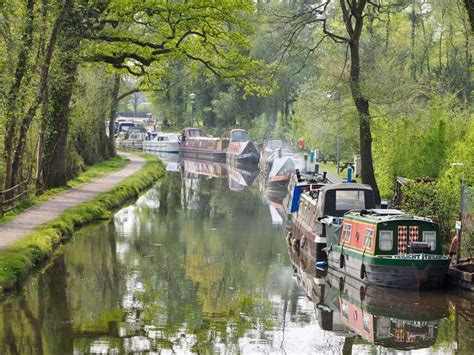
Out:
{"x": 241, "y": 150}
{"x": 388, "y": 248}
{"x": 195, "y": 144}
{"x": 319, "y": 209}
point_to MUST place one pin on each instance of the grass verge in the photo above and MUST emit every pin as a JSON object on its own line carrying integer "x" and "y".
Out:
{"x": 37, "y": 246}
{"x": 92, "y": 172}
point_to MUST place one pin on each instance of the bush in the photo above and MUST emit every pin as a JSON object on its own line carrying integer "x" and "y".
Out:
{"x": 427, "y": 199}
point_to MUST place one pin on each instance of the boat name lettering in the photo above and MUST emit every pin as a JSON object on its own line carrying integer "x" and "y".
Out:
{"x": 419, "y": 257}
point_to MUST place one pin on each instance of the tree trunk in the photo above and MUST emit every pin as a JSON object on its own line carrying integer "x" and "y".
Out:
{"x": 55, "y": 168}
{"x": 470, "y": 12}
{"x": 353, "y": 19}
{"x": 113, "y": 113}
{"x": 28, "y": 118}
{"x": 11, "y": 102}
{"x": 63, "y": 76}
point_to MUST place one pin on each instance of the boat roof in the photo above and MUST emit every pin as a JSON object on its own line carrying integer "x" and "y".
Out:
{"x": 383, "y": 215}
{"x": 346, "y": 186}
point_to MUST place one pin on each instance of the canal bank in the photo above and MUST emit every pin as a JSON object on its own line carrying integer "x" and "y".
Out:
{"x": 33, "y": 236}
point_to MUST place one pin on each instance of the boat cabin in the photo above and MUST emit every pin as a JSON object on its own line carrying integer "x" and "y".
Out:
{"x": 335, "y": 200}
{"x": 192, "y": 133}
{"x": 389, "y": 232}
{"x": 238, "y": 135}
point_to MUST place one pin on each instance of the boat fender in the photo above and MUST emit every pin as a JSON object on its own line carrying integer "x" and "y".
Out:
{"x": 303, "y": 241}
{"x": 362, "y": 293}
{"x": 341, "y": 261}
{"x": 362, "y": 271}
{"x": 341, "y": 284}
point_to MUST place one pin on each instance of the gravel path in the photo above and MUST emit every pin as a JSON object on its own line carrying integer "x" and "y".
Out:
{"x": 42, "y": 213}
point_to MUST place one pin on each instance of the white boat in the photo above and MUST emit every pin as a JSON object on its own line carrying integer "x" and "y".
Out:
{"x": 163, "y": 142}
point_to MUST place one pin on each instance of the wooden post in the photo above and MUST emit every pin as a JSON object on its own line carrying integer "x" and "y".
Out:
{"x": 1, "y": 204}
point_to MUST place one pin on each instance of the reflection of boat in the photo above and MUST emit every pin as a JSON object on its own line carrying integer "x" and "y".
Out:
{"x": 195, "y": 144}
{"x": 171, "y": 160}
{"x": 240, "y": 179}
{"x": 162, "y": 142}
{"x": 400, "y": 319}
{"x": 203, "y": 167}
{"x": 241, "y": 150}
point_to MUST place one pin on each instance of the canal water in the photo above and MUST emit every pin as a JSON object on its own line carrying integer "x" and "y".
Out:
{"x": 200, "y": 264}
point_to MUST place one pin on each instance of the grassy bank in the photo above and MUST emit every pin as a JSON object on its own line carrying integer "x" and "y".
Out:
{"x": 19, "y": 259}
{"x": 91, "y": 173}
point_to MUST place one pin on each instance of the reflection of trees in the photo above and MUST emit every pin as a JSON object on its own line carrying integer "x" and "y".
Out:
{"x": 184, "y": 279}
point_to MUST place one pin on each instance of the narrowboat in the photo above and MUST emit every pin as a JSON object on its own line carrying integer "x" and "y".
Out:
{"x": 195, "y": 144}
{"x": 272, "y": 148}
{"x": 162, "y": 142}
{"x": 387, "y": 248}
{"x": 319, "y": 207}
{"x": 241, "y": 150}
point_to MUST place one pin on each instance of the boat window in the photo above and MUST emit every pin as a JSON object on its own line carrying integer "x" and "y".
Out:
{"x": 430, "y": 238}
{"x": 194, "y": 133}
{"x": 347, "y": 232}
{"x": 347, "y": 200}
{"x": 368, "y": 237}
{"x": 386, "y": 240}
{"x": 238, "y": 136}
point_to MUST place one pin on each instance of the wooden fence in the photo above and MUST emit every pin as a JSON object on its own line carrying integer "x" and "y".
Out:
{"x": 9, "y": 197}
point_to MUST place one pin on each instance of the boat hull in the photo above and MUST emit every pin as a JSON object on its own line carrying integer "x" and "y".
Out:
{"x": 403, "y": 273}
{"x": 170, "y": 147}
{"x": 242, "y": 153}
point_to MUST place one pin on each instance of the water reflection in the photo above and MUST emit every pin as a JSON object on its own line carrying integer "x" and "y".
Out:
{"x": 194, "y": 266}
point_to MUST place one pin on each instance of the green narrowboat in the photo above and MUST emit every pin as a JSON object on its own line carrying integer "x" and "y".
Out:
{"x": 388, "y": 248}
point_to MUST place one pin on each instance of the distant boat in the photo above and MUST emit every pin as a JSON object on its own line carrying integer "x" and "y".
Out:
{"x": 195, "y": 144}
{"x": 163, "y": 142}
{"x": 131, "y": 138}
{"x": 241, "y": 150}
{"x": 273, "y": 148}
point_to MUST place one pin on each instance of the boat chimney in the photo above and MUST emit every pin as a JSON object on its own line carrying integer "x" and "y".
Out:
{"x": 316, "y": 169}
{"x": 298, "y": 175}
{"x": 324, "y": 174}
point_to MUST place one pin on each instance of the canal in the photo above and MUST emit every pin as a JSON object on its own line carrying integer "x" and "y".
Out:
{"x": 200, "y": 264}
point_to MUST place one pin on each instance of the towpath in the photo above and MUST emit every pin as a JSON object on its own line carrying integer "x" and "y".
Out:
{"x": 44, "y": 212}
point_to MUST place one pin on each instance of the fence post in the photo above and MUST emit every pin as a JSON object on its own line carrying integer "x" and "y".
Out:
{"x": 1, "y": 204}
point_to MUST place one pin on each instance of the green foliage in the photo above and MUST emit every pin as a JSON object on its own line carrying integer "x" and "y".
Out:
{"x": 429, "y": 199}
{"x": 18, "y": 260}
